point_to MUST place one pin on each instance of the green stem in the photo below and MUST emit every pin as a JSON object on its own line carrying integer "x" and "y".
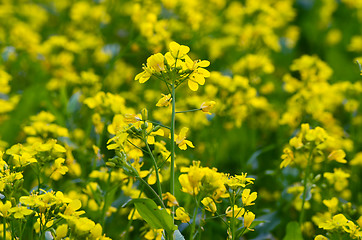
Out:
{"x": 219, "y": 216}
{"x": 158, "y": 182}
{"x": 193, "y": 225}
{"x": 104, "y": 209}
{"x": 156, "y": 123}
{"x": 191, "y": 110}
{"x": 152, "y": 190}
{"x": 125, "y": 236}
{"x": 38, "y": 176}
{"x": 305, "y": 185}
{"x": 233, "y": 218}
{"x": 172, "y": 180}
{"x": 4, "y": 228}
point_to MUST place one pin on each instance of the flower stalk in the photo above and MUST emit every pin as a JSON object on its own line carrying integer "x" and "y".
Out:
{"x": 305, "y": 184}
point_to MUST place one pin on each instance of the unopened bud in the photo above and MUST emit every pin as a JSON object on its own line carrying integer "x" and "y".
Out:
{"x": 144, "y": 125}
{"x": 144, "y": 114}
{"x": 156, "y": 128}
{"x": 110, "y": 164}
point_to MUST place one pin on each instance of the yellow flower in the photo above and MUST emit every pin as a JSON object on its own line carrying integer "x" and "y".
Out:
{"x": 152, "y": 178}
{"x": 156, "y": 62}
{"x": 131, "y": 118}
{"x": 191, "y": 181}
{"x": 338, "y": 178}
{"x": 337, "y": 221}
{"x": 182, "y": 215}
{"x": 58, "y": 169}
{"x": 171, "y": 200}
{"x": 287, "y": 157}
{"x": 320, "y": 237}
{"x": 20, "y": 211}
{"x": 197, "y": 77}
{"x": 238, "y": 212}
{"x": 248, "y": 198}
{"x": 248, "y": 219}
{"x": 164, "y": 101}
{"x": 143, "y": 76}
{"x": 332, "y": 204}
{"x": 207, "y": 106}
{"x": 154, "y": 234}
{"x": 181, "y": 139}
{"x": 338, "y": 155}
{"x": 71, "y": 209}
{"x": 4, "y": 209}
{"x": 178, "y": 51}
{"x": 209, "y": 204}
{"x": 61, "y": 232}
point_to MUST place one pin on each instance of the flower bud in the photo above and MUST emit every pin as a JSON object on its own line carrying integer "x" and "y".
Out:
{"x": 144, "y": 114}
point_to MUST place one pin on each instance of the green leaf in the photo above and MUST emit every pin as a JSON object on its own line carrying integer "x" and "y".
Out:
{"x": 178, "y": 236}
{"x": 155, "y": 217}
{"x": 293, "y": 232}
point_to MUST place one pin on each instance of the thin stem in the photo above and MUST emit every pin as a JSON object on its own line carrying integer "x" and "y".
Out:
{"x": 191, "y": 110}
{"x": 104, "y": 209}
{"x": 172, "y": 180}
{"x": 233, "y": 218}
{"x": 156, "y": 123}
{"x": 125, "y": 236}
{"x": 305, "y": 185}
{"x": 4, "y": 228}
{"x": 219, "y": 216}
{"x": 193, "y": 225}
{"x": 158, "y": 182}
{"x": 159, "y": 167}
{"x": 152, "y": 190}
{"x": 136, "y": 146}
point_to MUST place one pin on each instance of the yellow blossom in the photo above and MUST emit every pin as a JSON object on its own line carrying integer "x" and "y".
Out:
{"x": 248, "y": 219}
{"x": 20, "y": 211}
{"x": 209, "y": 204}
{"x": 207, "y": 106}
{"x": 332, "y": 204}
{"x": 320, "y": 237}
{"x": 182, "y": 215}
{"x": 238, "y": 212}
{"x": 4, "y": 209}
{"x": 338, "y": 155}
{"x": 164, "y": 101}
{"x": 248, "y": 198}
{"x": 181, "y": 141}
{"x": 287, "y": 157}
{"x": 178, "y": 51}
{"x": 171, "y": 200}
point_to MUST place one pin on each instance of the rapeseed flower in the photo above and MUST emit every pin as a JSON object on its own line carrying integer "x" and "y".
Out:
{"x": 238, "y": 212}
{"x": 182, "y": 215}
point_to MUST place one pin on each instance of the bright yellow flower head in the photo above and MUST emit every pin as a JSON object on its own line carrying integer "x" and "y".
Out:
{"x": 182, "y": 215}
{"x": 171, "y": 200}
{"x": 20, "y": 211}
{"x": 209, "y": 204}
{"x": 181, "y": 141}
{"x": 4, "y": 209}
{"x": 238, "y": 212}
{"x": 178, "y": 51}
{"x": 248, "y": 198}
{"x": 337, "y": 155}
{"x": 248, "y": 219}
{"x": 207, "y": 106}
{"x": 287, "y": 157}
{"x": 164, "y": 101}
{"x": 156, "y": 62}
